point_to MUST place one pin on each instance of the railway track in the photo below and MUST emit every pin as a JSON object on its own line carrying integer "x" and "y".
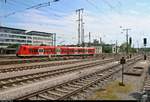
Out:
{"x": 72, "y": 87}
{"x": 22, "y": 67}
{"x": 145, "y": 91}
{"x": 146, "y": 86}
{"x": 10, "y": 60}
{"x": 31, "y": 78}
{"x": 22, "y": 61}
{"x": 31, "y": 60}
{"x": 5, "y": 69}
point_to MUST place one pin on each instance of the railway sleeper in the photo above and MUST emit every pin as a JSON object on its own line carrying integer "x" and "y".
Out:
{"x": 45, "y": 97}
{"x": 3, "y": 82}
{"x": 4, "y": 87}
{"x": 68, "y": 88}
{"x": 53, "y": 92}
{"x": 74, "y": 85}
{"x": 81, "y": 83}
{"x": 54, "y": 96}
{"x": 61, "y": 90}
{"x": 14, "y": 85}
{"x": 22, "y": 83}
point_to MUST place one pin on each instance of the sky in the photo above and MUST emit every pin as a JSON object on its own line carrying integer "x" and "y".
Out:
{"x": 103, "y": 18}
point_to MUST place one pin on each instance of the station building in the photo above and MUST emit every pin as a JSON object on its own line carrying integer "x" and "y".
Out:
{"x": 10, "y": 36}
{"x": 13, "y": 36}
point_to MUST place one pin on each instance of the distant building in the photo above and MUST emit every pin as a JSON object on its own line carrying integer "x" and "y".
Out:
{"x": 10, "y": 36}
{"x": 98, "y": 49}
{"x": 39, "y": 38}
{"x": 115, "y": 49}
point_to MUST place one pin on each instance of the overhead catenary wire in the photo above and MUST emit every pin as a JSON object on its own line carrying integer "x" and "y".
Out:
{"x": 37, "y": 6}
{"x": 55, "y": 14}
{"x": 108, "y": 4}
{"x": 13, "y": 13}
{"x": 99, "y": 10}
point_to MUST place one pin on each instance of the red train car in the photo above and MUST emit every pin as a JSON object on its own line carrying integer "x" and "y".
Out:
{"x": 29, "y": 50}
{"x": 91, "y": 50}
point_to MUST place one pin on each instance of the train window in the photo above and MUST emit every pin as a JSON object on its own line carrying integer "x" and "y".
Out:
{"x": 47, "y": 50}
{"x": 64, "y": 50}
{"x": 41, "y": 50}
{"x": 81, "y": 50}
{"x": 35, "y": 50}
{"x": 90, "y": 50}
{"x": 76, "y": 50}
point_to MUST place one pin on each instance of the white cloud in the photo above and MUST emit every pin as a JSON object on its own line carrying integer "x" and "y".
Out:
{"x": 143, "y": 4}
{"x": 99, "y": 26}
{"x": 134, "y": 12}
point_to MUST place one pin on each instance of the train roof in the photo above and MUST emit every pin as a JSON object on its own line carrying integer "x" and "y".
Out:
{"x": 36, "y": 46}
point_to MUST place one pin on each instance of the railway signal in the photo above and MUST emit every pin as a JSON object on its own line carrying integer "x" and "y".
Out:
{"x": 122, "y": 61}
{"x": 145, "y": 43}
{"x": 130, "y": 41}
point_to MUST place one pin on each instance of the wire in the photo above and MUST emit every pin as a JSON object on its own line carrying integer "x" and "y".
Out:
{"x": 34, "y": 6}
{"x": 113, "y": 8}
{"x": 99, "y": 10}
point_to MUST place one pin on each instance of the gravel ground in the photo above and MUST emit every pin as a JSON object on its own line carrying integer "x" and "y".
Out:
{"x": 134, "y": 82}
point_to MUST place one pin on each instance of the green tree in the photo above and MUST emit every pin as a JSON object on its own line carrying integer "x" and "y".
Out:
{"x": 107, "y": 48}
{"x": 123, "y": 48}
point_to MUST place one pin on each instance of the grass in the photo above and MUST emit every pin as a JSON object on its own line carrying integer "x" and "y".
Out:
{"x": 111, "y": 91}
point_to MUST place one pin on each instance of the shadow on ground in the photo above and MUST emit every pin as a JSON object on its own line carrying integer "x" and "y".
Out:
{"x": 136, "y": 95}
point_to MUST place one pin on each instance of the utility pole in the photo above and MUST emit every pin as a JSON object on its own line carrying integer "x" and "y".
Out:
{"x": 89, "y": 39}
{"x": 138, "y": 45}
{"x": 80, "y": 24}
{"x": 145, "y": 43}
{"x": 54, "y": 39}
{"x": 127, "y": 36}
{"x": 116, "y": 47}
{"x": 100, "y": 40}
{"x": 82, "y": 34}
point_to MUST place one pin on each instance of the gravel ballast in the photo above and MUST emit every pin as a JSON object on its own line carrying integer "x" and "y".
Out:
{"x": 31, "y": 88}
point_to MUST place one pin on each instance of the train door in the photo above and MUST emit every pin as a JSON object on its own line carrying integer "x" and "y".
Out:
{"x": 76, "y": 51}
{"x": 58, "y": 51}
{"x": 86, "y": 50}
{"x": 41, "y": 51}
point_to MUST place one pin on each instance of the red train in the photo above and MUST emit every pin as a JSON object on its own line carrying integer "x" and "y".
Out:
{"x": 30, "y": 50}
